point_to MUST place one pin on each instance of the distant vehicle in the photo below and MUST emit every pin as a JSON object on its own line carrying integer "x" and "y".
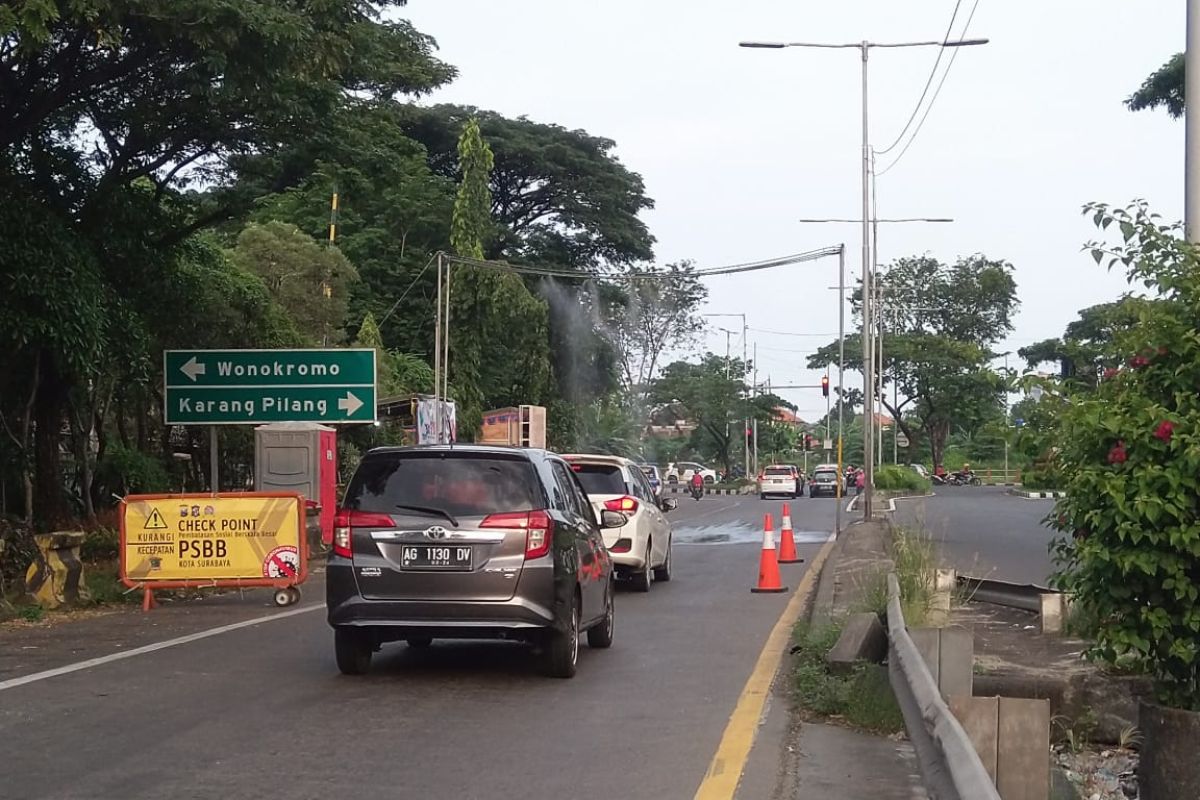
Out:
{"x": 641, "y": 548}
{"x": 681, "y": 472}
{"x": 920, "y": 470}
{"x": 824, "y": 480}
{"x": 779, "y": 479}
{"x": 652, "y": 474}
{"x": 468, "y": 542}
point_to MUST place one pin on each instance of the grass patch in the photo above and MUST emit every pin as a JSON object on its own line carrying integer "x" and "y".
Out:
{"x": 104, "y": 586}
{"x": 916, "y": 567}
{"x": 862, "y": 699}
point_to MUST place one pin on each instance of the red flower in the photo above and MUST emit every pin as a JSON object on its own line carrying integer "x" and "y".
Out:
{"x": 1117, "y": 454}
{"x": 1162, "y": 350}
{"x": 1081, "y": 533}
{"x": 1137, "y": 362}
{"x": 1164, "y": 430}
{"x": 1110, "y": 373}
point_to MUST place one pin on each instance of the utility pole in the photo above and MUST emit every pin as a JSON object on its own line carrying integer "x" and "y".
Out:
{"x": 868, "y": 353}
{"x": 837, "y": 519}
{"x": 1191, "y": 121}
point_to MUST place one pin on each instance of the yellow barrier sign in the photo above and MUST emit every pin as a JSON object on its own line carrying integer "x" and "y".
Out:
{"x": 242, "y": 539}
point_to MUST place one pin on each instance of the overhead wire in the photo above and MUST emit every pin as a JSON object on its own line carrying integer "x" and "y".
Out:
{"x": 932, "y": 100}
{"x": 928, "y": 83}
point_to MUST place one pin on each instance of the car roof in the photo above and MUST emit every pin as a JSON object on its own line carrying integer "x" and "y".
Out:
{"x": 480, "y": 449}
{"x": 598, "y": 458}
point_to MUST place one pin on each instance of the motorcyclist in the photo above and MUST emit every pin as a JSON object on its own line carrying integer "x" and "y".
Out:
{"x": 697, "y": 484}
{"x": 965, "y": 473}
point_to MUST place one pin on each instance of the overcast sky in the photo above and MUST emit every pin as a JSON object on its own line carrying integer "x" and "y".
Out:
{"x": 735, "y": 145}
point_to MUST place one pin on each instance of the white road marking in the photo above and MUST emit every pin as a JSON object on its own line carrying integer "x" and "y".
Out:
{"x": 13, "y": 683}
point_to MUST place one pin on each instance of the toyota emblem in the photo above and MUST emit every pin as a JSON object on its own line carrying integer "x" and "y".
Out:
{"x": 436, "y": 532}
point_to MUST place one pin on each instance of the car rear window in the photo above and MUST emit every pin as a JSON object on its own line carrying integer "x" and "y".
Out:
{"x": 824, "y": 475}
{"x": 462, "y": 485}
{"x": 777, "y": 471}
{"x": 600, "y": 478}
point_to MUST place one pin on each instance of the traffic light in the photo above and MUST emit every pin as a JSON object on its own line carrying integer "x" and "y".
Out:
{"x": 825, "y": 386}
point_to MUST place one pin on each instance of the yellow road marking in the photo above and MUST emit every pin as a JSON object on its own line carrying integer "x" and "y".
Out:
{"x": 725, "y": 769}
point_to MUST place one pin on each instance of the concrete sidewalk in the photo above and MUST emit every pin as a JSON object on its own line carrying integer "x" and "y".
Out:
{"x": 792, "y": 758}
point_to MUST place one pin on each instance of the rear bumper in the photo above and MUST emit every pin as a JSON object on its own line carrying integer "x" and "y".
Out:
{"x": 459, "y": 619}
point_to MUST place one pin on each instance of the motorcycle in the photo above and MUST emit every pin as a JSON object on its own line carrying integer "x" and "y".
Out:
{"x": 959, "y": 479}
{"x": 696, "y": 491}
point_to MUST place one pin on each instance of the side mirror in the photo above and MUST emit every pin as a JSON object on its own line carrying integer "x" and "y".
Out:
{"x": 669, "y": 504}
{"x": 612, "y": 519}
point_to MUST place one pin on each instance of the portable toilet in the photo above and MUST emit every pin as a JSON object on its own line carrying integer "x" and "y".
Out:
{"x": 299, "y": 457}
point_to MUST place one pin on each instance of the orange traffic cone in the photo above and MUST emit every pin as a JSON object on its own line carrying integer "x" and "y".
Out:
{"x": 787, "y": 543}
{"x": 768, "y": 565}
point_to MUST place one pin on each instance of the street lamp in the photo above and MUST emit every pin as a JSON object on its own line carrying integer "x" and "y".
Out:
{"x": 864, "y": 47}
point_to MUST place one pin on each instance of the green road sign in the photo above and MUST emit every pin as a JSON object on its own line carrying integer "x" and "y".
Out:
{"x": 250, "y": 387}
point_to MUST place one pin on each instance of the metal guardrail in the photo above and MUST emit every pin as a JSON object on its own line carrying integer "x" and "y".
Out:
{"x": 1026, "y": 596}
{"x": 948, "y": 760}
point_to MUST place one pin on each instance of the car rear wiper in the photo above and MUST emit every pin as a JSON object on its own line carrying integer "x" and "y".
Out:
{"x": 436, "y": 512}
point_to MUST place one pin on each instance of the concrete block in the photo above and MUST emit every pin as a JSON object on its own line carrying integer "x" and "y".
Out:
{"x": 950, "y": 655}
{"x": 55, "y": 578}
{"x": 1023, "y": 753}
{"x": 862, "y": 639}
{"x": 979, "y": 717}
{"x": 938, "y": 613}
{"x": 944, "y": 580}
{"x": 1053, "y": 612}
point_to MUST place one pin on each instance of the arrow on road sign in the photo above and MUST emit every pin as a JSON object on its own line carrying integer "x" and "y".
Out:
{"x": 349, "y": 404}
{"x": 192, "y": 368}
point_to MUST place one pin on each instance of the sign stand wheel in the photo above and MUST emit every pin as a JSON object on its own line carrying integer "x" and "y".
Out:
{"x": 288, "y": 596}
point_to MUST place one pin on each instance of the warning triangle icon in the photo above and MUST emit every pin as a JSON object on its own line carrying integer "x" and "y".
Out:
{"x": 155, "y": 521}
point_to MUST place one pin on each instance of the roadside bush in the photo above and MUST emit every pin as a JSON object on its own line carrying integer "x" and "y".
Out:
{"x": 897, "y": 478}
{"x": 125, "y": 470}
{"x": 1131, "y": 453}
{"x": 102, "y": 544}
{"x": 1045, "y": 478}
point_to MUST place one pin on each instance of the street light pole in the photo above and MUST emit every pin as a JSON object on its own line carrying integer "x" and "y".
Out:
{"x": 1191, "y": 118}
{"x": 868, "y": 355}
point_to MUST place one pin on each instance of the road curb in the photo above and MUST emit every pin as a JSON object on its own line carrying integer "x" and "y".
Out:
{"x": 1037, "y": 495}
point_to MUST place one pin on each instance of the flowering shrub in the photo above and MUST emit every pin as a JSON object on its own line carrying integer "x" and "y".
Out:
{"x": 1131, "y": 456}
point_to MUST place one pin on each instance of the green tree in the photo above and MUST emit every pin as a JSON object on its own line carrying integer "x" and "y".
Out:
{"x": 1162, "y": 89}
{"x": 310, "y": 282}
{"x": 712, "y": 395}
{"x": 1133, "y": 470}
{"x": 940, "y": 321}
{"x": 647, "y": 315}
{"x": 1089, "y": 344}
{"x": 110, "y": 110}
{"x": 497, "y": 328}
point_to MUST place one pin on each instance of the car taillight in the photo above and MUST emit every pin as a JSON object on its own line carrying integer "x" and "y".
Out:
{"x": 538, "y": 527}
{"x": 762, "y": 476}
{"x": 621, "y": 546}
{"x": 346, "y": 519}
{"x": 626, "y": 504}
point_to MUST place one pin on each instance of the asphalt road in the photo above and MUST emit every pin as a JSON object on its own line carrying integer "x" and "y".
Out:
{"x": 262, "y": 711}
{"x": 985, "y": 532}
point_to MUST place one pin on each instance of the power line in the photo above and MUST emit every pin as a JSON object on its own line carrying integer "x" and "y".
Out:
{"x": 928, "y": 83}
{"x": 789, "y": 333}
{"x": 771, "y": 263}
{"x": 932, "y": 100}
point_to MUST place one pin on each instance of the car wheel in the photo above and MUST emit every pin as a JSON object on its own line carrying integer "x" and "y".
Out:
{"x": 562, "y": 650}
{"x": 663, "y": 573}
{"x": 353, "y": 650}
{"x": 643, "y": 579}
{"x": 419, "y": 641}
{"x": 601, "y": 636}
{"x": 762, "y": 496}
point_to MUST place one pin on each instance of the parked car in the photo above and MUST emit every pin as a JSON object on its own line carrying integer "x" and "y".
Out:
{"x": 824, "y": 481}
{"x": 468, "y": 542}
{"x": 779, "y": 479}
{"x": 641, "y": 548}
{"x": 682, "y": 472}
{"x": 654, "y": 477}
{"x": 920, "y": 470}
